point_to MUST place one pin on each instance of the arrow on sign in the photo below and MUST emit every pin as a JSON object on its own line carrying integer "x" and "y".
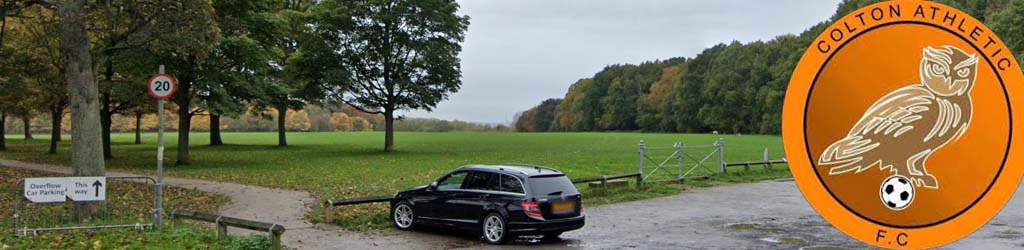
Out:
{"x": 97, "y": 185}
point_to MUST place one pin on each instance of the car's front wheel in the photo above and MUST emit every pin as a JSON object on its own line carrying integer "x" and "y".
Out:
{"x": 494, "y": 229}
{"x": 402, "y": 216}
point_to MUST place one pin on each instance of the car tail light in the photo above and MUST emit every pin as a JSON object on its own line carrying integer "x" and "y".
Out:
{"x": 532, "y": 209}
{"x": 581, "y": 206}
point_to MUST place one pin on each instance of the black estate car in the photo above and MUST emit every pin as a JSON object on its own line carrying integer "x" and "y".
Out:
{"x": 500, "y": 202}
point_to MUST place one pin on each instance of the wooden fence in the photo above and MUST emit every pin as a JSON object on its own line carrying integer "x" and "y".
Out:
{"x": 274, "y": 231}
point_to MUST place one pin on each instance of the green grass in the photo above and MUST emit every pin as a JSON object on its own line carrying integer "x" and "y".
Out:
{"x": 339, "y": 165}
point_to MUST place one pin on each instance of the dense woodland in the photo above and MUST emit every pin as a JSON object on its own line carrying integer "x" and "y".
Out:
{"x": 239, "y": 64}
{"x": 729, "y": 88}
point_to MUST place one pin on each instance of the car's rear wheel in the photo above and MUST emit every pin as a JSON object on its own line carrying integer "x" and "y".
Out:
{"x": 402, "y": 216}
{"x": 494, "y": 229}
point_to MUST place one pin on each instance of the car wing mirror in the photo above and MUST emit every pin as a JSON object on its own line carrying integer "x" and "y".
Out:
{"x": 432, "y": 186}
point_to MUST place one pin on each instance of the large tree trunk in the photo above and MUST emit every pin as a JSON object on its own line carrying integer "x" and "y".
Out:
{"x": 27, "y": 122}
{"x": 106, "y": 116}
{"x": 56, "y": 115}
{"x": 282, "y": 114}
{"x": 138, "y": 128}
{"x": 106, "y": 119}
{"x": 183, "y": 98}
{"x": 389, "y": 129}
{"x": 3, "y": 130}
{"x": 215, "y": 130}
{"x": 86, "y": 158}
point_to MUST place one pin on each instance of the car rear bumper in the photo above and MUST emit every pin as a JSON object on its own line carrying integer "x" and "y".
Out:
{"x": 550, "y": 226}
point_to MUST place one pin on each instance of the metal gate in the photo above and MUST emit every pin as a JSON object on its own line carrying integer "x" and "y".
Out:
{"x": 683, "y": 162}
{"x": 120, "y": 210}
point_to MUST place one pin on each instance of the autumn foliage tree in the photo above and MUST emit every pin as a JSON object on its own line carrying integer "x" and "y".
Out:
{"x": 730, "y": 87}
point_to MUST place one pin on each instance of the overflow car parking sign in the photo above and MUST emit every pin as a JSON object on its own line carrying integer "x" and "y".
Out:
{"x": 59, "y": 189}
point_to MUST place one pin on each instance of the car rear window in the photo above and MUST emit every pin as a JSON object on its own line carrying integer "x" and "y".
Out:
{"x": 511, "y": 184}
{"x": 551, "y": 185}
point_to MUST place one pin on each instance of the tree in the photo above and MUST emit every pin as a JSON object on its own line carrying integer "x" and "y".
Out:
{"x": 238, "y": 71}
{"x": 183, "y": 50}
{"x": 568, "y": 112}
{"x": 399, "y": 55}
{"x": 41, "y": 67}
{"x": 310, "y": 70}
{"x": 341, "y": 122}
{"x": 360, "y": 124}
{"x": 86, "y": 158}
{"x": 299, "y": 121}
{"x": 123, "y": 31}
{"x": 1007, "y": 24}
{"x": 655, "y": 107}
{"x": 540, "y": 118}
{"x": 5, "y": 93}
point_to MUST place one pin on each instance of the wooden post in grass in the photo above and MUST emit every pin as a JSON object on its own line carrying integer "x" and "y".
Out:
{"x": 329, "y": 212}
{"x": 275, "y": 239}
{"x": 222, "y": 229}
{"x": 640, "y": 178}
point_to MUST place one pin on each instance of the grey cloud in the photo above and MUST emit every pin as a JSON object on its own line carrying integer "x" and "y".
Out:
{"x": 518, "y": 53}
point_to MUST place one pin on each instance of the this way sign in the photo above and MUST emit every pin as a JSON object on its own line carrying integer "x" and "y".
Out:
{"x": 87, "y": 188}
{"x": 59, "y": 189}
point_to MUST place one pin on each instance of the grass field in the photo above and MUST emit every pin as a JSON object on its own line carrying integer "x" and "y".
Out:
{"x": 338, "y": 165}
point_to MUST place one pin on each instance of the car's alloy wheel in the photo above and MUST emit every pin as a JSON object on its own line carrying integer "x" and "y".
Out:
{"x": 402, "y": 216}
{"x": 494, "y": 229}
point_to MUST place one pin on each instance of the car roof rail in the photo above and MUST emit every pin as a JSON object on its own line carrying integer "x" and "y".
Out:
{"x": 532, "y": 166}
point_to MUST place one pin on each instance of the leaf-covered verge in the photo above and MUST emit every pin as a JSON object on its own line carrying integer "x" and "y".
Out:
{"x": 127, "y": 203}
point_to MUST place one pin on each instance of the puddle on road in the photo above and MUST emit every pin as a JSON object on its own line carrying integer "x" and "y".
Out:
{"x": 824, "y": 248}
{"x": 754, "y": 227}
{"x": 784, "y": 240}
{"x": 1008, "y": 234}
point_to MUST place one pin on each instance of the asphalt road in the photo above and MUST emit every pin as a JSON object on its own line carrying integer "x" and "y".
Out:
{"x": 766, "y": 215}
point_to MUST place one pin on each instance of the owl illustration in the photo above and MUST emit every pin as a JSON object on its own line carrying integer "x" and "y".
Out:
{"x": 902, "y": 129}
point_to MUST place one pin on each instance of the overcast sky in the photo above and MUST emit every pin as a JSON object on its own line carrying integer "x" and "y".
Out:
{"x": 518, "y": 53}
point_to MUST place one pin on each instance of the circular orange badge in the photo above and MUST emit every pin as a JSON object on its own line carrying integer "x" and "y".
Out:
{"x": 899, "y": 124}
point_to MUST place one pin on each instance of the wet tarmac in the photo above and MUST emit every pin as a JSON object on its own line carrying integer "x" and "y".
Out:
{"x": 766, "y": 215}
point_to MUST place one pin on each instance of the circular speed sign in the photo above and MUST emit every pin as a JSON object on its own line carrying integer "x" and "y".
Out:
{"x": 162, "y": 86}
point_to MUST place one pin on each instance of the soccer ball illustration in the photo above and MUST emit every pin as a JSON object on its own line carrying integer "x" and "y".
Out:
{"x": 897, "y": 192}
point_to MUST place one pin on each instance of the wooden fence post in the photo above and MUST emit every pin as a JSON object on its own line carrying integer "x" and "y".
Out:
{"x": 329, "y": 212}
{"x": 275, "y": 238}
{"x": 222, "y": 228}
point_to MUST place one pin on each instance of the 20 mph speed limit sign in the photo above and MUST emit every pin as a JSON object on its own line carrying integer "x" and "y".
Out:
{"x": 162, "y": 86}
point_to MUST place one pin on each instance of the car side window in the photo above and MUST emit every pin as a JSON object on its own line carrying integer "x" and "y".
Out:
{"x": 511, "y": 184}
{"x": 453, "y": 181}
{"x": 483, "y": 181}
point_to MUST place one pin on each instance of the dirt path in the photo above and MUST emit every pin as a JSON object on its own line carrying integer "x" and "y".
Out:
{"x": 287, "y": 208}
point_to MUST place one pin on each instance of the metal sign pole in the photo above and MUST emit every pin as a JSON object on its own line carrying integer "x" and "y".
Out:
{"x": 158, "y": 215}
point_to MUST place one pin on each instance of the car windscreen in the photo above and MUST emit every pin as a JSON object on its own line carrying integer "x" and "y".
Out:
{"x": 551, "y": 185}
